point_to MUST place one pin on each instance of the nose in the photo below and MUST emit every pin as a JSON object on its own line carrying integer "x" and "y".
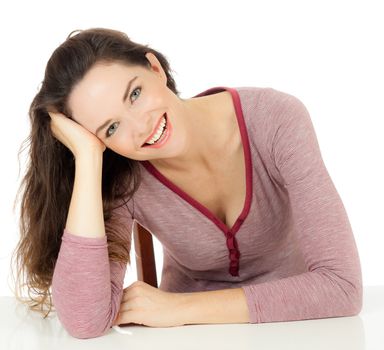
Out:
{"x": 142, "y": 125}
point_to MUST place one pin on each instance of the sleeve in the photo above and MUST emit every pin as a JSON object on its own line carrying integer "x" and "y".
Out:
{"x": 86, "y": 286}
{"x": 331, "y": 286}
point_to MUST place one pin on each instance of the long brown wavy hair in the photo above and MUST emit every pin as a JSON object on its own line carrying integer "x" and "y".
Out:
{"x": 47, "y": 185}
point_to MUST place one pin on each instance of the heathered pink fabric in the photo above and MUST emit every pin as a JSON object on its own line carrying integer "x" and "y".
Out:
{"x": 296, "y": 256}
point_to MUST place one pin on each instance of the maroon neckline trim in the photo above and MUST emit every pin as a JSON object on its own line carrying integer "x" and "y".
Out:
{"x": 229, "y": 233}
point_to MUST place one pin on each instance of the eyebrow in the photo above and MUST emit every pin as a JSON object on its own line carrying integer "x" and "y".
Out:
{"x": 101, "y": 127}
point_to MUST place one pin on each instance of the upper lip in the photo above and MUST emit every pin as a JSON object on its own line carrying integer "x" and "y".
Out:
{"x": 155, "y": 129}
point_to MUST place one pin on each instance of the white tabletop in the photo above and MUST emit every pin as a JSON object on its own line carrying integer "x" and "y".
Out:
{"x": 21, "y": 329}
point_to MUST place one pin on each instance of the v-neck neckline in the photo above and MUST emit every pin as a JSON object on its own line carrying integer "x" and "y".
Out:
{"x": 248, "y": 170}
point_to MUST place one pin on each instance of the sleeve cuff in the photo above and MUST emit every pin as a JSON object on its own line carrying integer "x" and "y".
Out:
{"x": 252, "y": 305}
{"x": 96, "y": 242}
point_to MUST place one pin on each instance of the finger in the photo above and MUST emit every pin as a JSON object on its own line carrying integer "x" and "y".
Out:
{"x": 52, "y": 114}
{"x": 129, "y": 317}
{"x": 56, "y": 115}
{"x": 127, "y": 294}
{"x": 135, "y": 289}
{"x": 125, "y": 308}
{"x": 130, "y": 300}
{"x": 130, "y": 304}
{"x": 133, "y": 294}
{"x": 133, "y": 285}
{"x": 125, "y": 298}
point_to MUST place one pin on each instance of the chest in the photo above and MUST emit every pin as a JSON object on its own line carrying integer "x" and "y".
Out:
{"x": 222, "y": 191}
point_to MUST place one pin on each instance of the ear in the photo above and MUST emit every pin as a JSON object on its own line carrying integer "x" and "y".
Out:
{"x": 156, "y": 66}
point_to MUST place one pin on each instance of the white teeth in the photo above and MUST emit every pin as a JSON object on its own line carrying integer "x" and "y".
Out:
{"x": 158, "y": 132}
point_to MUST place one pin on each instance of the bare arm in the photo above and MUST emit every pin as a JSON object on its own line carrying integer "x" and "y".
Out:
{"x": 85, "y": 215}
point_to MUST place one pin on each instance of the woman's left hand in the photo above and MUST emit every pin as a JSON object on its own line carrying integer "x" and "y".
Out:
{"x": 149, "y": 306}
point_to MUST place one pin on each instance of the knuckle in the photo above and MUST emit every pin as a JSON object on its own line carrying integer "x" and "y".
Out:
{"x": 138, "y": 284}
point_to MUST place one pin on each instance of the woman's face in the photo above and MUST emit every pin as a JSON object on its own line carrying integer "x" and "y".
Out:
{"x": 122, "y": 105}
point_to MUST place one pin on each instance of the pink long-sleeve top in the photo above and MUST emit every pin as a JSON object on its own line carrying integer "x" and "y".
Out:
{"x": 291, "y": 249}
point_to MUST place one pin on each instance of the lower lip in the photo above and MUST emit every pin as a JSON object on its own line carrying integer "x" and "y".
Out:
{"x": 164, "y": 138}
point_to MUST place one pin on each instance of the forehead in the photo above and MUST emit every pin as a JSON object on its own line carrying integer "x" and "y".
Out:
{"x": 101, "y": 79}
{"x": 100, "y": 92}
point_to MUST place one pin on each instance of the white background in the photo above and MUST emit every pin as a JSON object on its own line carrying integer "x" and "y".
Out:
{"x": 327, "y": 53}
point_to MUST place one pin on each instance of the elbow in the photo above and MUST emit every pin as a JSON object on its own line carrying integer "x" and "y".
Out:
{"x": 81, "y": 319}
{"x": 84, "y": 335}
{"x": 355, "y": 295}
{"x": 355, "y": 300}
{"x": 351, "y": 297}
{"x": 82, "y": 330}
{"x": 81, "y": 323}
{"x": 344, "y": 294}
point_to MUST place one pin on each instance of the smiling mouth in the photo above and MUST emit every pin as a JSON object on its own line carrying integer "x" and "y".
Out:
{"x": 157, "y": 135}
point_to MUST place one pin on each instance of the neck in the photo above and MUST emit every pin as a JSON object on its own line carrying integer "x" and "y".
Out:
{"x": 209, "y": 124}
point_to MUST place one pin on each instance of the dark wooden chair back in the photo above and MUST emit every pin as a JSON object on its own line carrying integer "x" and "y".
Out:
{"x": 145, "y": 255}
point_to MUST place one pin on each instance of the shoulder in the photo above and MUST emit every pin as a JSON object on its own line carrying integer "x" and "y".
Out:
{"x": 266, "y": 96}
{"x": 273, "y": 118}
{"x": 267, "y": 108}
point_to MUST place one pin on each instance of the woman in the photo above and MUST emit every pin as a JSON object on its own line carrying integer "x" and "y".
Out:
{"x": 231, "y": 182}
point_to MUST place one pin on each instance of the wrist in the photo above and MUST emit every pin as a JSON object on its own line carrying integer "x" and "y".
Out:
{"x": 89, "y": 155}
{"x": 219, "y": 306}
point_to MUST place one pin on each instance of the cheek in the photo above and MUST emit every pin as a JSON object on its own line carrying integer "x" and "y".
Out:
{"x": 122, "y": 142}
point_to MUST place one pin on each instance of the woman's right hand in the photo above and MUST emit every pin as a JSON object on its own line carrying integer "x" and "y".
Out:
{"x": 74, "y": 136}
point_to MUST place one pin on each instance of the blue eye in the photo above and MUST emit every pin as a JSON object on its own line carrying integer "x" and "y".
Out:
{"x": 111, "y": 130}
{"x": 136, "y": 95}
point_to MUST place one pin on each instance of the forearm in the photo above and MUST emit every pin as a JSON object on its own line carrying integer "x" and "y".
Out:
{"x": 219, "y": 306}
{"x": 85, "y": 215}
